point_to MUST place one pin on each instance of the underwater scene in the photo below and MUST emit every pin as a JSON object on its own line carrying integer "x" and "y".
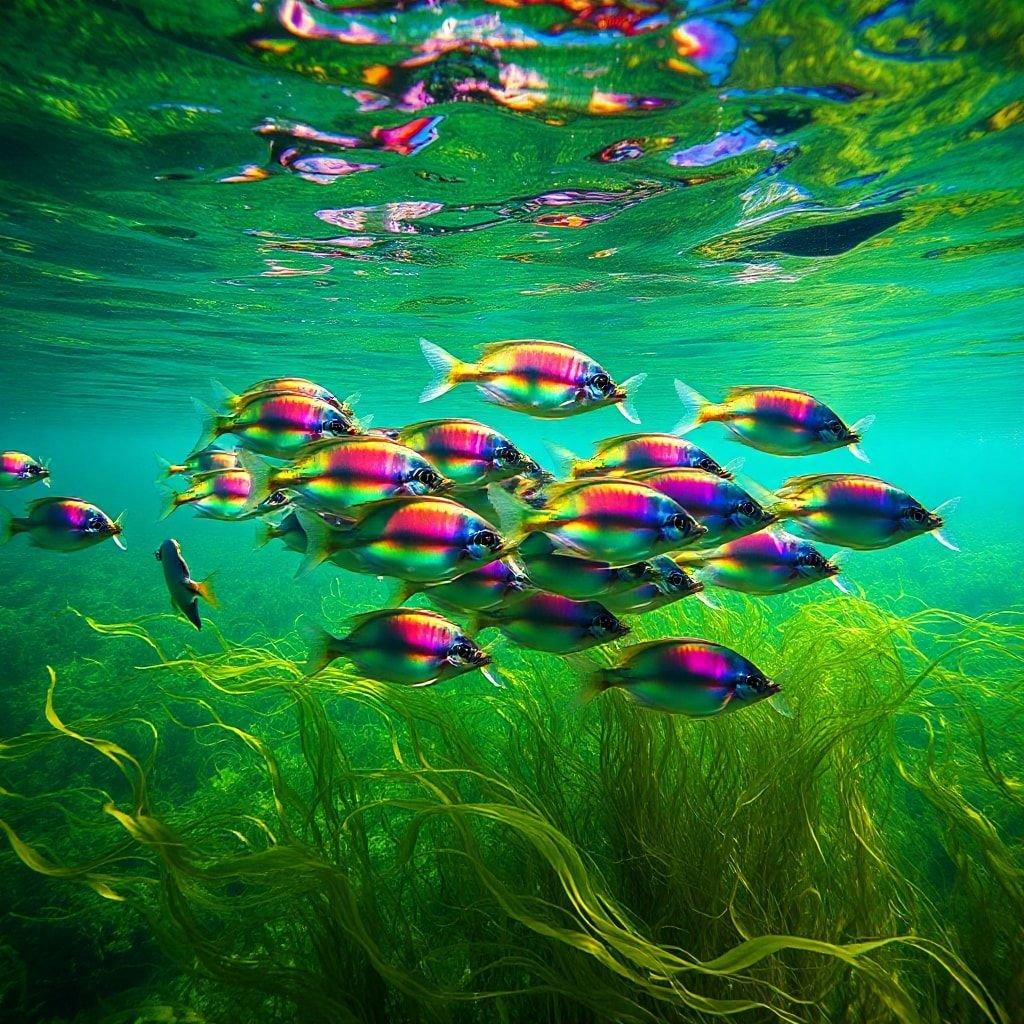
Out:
{"x": 511, "y": 511}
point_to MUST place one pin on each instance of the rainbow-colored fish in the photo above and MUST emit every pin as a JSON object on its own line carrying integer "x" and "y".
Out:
{"x": 467, "y": 452}
{"x": 578, "y": 578}
{"x": 542, "y": 378}
{"x": 409, "y": 646}
{"x": 206, "y": 461}
{"x": 282, "y": 386}
{"x": 278, "y": 425}
{"x": 618, "y": 521}
{"x": 223, "y": 495}
{"x": 721, "y": 506}
{"x": 552, "y": 623}
{"x": 860, "y": 512}
{"x": 20, "y": 470}
{"x": 670, "y": 584}
{"x": 770, "y": 562}
{"x": 782, "y": 421}
{"x": 630, "y": 453}
{"x": 424, "y": 539}
{"x": 493, "y": 585}
{"x": 62, "y": 524}
{"x": 685, "y": 676}
{"x": 342, "y": 473}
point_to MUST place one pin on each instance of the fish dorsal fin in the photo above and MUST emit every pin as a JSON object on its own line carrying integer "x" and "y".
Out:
{"x": 491, "y": 347}
{"x": 440, "y": 421}
{"x": 745, "y": 389}
{"x": 798, "y": 483}
{"x": 209, "y": 474}
{"x": 562, "y": 488}
{"x": 43, "y": 502}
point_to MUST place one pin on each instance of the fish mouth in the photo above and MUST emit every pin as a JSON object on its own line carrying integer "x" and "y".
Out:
{"x": 935, "y": 522}
{"x": 694, "y": 587}
{"x": 771, "y": 689}
{"x": 481, "y": 659}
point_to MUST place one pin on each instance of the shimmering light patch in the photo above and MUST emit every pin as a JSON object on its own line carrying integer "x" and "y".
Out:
{"x": 707, "y": 45}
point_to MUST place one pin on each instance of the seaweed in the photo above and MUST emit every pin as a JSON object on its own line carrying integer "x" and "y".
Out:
{"x": 345, "y": 850}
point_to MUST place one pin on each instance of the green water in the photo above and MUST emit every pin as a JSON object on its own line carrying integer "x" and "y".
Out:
{"x": 217, "y": 839}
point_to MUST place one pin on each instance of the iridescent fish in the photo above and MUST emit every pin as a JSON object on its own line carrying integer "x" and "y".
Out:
{"x": 542, "y": 378}
{"x": 722, "y": 507}
{"x": 409, "y": 646}
{"x": 341, "y": 473}
{"x": 222, "y": 495}
{"x": 62, "y": 524}
{"x": 552, "y": 623}
{"x": 206, "y": 461}
{"x": 425, "y": 539}
{"x": 669, "y": 585}
{"x": 20, "y": 470}
{"x": 782, "y": 421}
{"x": 185, "y": 591}
{"x": 282, "y": 386}
{"x": 771, "y": 562}
{"x": 278, "y": 425}
{"x": 685, "y": 676}
{"x": 467, "y": 452}
{"x": 617, "y": 520}
{"x": 860, "y": 512}
{"x": 493, "y": 585}
{"x": 629, "y": 453}
{"x": 577, "y": 578}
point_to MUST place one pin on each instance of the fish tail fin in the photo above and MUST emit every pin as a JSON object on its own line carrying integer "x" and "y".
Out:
{"x": 214, "y": 424}
{"x": 595, "y": 682}
{"x": 223, "y": 395}
{"x": 324, "y": 647}
{"x": 260, "y": 483}
{"x": 512, "y": 512}
{"x": 448, "y": 371}
{"x": 321, "y": 542}
{"x": 168, "y": 502}
{"x": 859, "y": 429}
{"x": 942, "y": 534}
{"x": 204, "y": 589}
{"x": 265, "y": 533}
{"x": 625, "y": 404}
{"x": 694, "y": 404}
{"x": 168, "y": 468}
{"x": 565, "y": 458}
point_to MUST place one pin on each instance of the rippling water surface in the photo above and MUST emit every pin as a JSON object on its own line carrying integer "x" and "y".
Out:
{"x": 821, "y": 195}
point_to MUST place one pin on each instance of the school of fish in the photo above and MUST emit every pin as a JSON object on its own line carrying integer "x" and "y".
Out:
{"x": 454, "y": 511}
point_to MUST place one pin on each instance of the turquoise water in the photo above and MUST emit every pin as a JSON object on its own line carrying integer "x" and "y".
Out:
{"x": 825, "y": 197}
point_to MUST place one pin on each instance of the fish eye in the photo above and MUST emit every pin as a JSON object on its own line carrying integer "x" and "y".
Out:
{"x": 602, "y": 382}
{"x": 462, "y": 650}
{"x": 680, "y": 521}
{"x": 746, "y": 508}
{"x": 918, "y": 514}
{"x": 277, "y": 498}
{"x": 708, "y": 465}
{"x": 486, "y": 539}
{"x": 428, "y": 477}
{"x": 606, "y": 622}
{"x": 835, "y": 427}
{"x": 508, "y": 453}
{"x": 676, "y": 580}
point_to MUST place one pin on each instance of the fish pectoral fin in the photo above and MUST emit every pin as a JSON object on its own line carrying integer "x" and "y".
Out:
{"x": 204, "y": 589}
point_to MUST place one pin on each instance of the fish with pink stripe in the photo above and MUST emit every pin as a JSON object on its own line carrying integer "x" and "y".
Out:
{"x": 543, "y": 378}
{"x": 62, "y": 524}
{"x": 410, "y": 646}
{"x": 781, "y": 421}
{"x": 20, "y": 470}
{"x": 686, "y": 676}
